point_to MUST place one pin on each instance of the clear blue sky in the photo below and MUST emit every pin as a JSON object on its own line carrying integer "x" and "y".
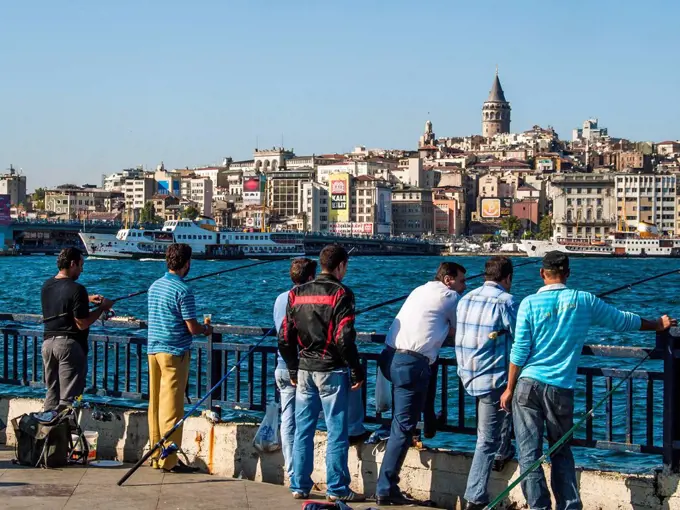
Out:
{"x": 90, "y": 87}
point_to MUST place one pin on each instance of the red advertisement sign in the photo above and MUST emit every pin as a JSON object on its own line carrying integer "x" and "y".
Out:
{"x": 339, "y": 187}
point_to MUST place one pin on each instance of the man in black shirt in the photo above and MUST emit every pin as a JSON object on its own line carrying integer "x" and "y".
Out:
{"x": 67, "y": 318}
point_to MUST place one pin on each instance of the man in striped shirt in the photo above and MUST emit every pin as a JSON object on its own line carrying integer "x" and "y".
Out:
{"x": 552, "y": 326}
{"x": 172, "y": 323}
{"x": 485, "y": 325}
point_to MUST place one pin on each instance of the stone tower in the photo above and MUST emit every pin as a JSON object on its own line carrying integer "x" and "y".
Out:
{"x": 496, "y": 111}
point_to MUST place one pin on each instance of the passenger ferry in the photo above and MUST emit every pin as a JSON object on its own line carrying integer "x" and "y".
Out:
{"x": 645, "y": 242}
{"x": 205, "y": 239}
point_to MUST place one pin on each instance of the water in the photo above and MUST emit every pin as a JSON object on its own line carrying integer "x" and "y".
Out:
{"x": 246, "y": 297}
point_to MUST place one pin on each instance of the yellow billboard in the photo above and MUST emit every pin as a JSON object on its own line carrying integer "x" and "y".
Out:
{"x": 338, "y": 189}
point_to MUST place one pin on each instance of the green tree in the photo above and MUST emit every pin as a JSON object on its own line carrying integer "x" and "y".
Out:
{"x": 147, "y": 214}
{"x": 38, "y": 199}
{"x": 191, "y": 212}
{"x": 512, "y": 224}
{"x": 487, "y": 238}
{"x": 545, "y": 228}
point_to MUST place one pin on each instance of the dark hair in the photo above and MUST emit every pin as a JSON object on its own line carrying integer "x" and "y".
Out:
{"x": 301, "y": 270}
{"x": 448, "y": 269}
{"x": 332, "y": 256}
{"x": 68, "y": 255}
{"x": 497, "y": 268}
{"x": 177, "y": 256}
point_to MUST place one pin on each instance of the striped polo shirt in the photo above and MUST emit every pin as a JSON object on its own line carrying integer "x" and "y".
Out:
{"x": 171, "y": 302}
{"x": 552, "y": 327}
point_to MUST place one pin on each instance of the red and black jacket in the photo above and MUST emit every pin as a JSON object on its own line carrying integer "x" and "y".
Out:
{"x": 318, "y": 332}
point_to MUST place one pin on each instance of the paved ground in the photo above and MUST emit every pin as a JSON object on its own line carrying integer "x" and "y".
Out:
{"x": 78, "y": 487}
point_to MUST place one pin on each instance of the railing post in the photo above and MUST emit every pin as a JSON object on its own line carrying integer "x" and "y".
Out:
{"x": 669, "y": 343}
{"x": 214, "y": 371}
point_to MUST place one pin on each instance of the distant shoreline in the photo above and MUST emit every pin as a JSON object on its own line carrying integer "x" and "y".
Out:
{"x": 485, "y": 254}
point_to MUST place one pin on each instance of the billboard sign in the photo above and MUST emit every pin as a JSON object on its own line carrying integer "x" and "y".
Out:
{"x": 253, "y": 190}
{"x": 339, "y": 191}
{"x": 496, "y": 207}
{"x": 5, "y": 218}
{"x": 346, "y": 227}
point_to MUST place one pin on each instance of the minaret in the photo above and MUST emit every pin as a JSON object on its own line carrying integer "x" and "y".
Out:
{"x": 496, "y": 111}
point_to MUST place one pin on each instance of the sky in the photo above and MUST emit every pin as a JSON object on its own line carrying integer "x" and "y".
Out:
{"x": 89, "y": 88}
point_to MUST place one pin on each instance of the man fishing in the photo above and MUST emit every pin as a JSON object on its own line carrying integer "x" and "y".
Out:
{"x": 317, "y": 342}
{"x": 485, "y": 324}
{"x": 552, "y": 326}
{"x": 172, "y": 323}
{"x": 412, "y": 345}
{"x": 66, "y": 305}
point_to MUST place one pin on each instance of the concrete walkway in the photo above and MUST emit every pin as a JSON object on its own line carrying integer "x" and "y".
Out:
{"x": 79, "y": 487}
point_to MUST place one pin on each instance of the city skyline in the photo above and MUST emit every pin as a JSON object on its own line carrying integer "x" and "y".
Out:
{"x": 92, "y": 89}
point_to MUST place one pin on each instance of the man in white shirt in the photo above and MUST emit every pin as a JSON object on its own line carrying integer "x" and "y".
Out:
{"x": 413, "y": 342}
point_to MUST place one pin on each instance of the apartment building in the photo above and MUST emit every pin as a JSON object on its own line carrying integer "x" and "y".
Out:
{"x": 649, "y": 198}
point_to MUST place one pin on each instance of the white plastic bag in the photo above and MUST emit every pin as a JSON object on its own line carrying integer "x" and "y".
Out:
{"x": 268, "y": 438}
{"x": 383, "y": 393}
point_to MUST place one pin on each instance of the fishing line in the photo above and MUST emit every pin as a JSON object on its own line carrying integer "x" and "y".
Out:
{"x": 589, "y": 414}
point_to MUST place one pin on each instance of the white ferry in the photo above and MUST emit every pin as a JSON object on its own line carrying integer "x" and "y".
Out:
{"x": 205, "y": 239}
{"x": 646, "y": 242}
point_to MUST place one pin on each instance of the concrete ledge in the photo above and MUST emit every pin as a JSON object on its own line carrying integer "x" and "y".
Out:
{"x": 226, "y": 449}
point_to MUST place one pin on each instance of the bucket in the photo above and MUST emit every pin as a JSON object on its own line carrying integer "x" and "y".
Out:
{"x": 91, "y": 438}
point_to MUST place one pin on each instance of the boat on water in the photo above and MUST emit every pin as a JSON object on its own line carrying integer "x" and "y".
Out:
{"x": 205, "y": 239}
{"x": 644, "y": 242}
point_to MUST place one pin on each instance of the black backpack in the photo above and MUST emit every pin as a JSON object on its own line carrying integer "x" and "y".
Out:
{"x": 44, "y": 439}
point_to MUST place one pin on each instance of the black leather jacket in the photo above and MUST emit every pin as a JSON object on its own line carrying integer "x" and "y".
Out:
{"x": 318, "y": 332}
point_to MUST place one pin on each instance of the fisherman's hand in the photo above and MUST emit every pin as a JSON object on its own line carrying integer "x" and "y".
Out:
{"x": 293, "y": 377}
{"x": 506, "y": 401}
{"x": 664, "y": 322}
{"x": 105, "y": 304}
{"x": 356, "y": 386}
{"x": 95, "y": 299}
{"x": 357, "y": 377}
{"x": 207, "y": 330}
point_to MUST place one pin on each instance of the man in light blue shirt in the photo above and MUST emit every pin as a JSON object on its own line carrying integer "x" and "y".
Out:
{"x": 302, "y": 270}
{"x": 485, "y": 325}
{"x": 552, "y": 326}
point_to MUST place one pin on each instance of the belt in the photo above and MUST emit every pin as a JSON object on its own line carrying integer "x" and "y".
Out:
{"x": 414, "y": 354}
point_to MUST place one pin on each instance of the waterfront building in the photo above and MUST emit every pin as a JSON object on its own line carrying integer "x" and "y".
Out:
{"x": 495, "y": 111}
{"x": 14, "y": 185}
{"x": 371, "y": 167}
{"x": 283, "y": 192}
{"x": 215, "y": 173}
{"x": 75, "y": 202}
{"x": 200, "y": 191}
{"x": 412, "y": 211}
{"x": 137, "y": 193}
{"x": 649, "y": 198}
{"x": 314, "y": 206}
{"x": 584, "y": 205}
{"x": 409, "y": 171}
{"x": 165, "y": 206}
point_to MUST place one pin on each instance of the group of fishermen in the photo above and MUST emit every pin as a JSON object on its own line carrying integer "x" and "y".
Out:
{"x": 519, "y": 360}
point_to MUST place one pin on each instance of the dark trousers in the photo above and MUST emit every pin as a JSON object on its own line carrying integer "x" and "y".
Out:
{"x": 429, "y": 414}
{"x": 539, "y": 408}
{"x": 410, "y": 377}
{"x": 65, "y": 368}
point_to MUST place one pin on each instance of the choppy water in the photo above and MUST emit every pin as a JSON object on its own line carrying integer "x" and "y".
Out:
{"x": 246, "y": 297}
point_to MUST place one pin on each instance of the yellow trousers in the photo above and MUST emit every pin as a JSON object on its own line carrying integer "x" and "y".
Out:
{"x": 168, "y": 377}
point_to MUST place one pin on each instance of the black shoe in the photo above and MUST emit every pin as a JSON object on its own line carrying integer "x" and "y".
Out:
{"x": 182, "y": 468}
{"x": 400, "y": 499}
{"x": 354, "y": 440}
{"x": 475, "y": 506}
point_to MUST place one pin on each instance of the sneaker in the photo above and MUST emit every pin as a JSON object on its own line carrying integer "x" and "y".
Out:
{"x": 350, "y": 496}
{"x": 299, "y": 495}
{"x": 182, "y": 469}
{"x": 354, "y": 440}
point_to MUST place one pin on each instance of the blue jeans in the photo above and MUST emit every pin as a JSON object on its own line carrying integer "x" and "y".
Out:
{"x": 410, "y": 377}
{"x": 539, "y": 407}
{"x": 287, "y": 392}
{"x": 494, "y": 434}
{"x": 315, "y": 391}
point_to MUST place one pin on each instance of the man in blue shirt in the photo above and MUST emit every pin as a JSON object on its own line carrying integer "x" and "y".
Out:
{"x": 485, "y": 325}
{"x": 302, "y": 270}
{"x": 552, "y": 326}
{"x": 172, "y": 323}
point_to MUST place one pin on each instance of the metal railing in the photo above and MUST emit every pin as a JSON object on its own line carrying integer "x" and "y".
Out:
{"x": 642, "y": 417}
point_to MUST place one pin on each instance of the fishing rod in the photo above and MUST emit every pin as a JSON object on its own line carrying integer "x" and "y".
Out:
{"x": 208, "y": 275}
{"x": 401, "y": 298}
{"x": 590, "y": 413}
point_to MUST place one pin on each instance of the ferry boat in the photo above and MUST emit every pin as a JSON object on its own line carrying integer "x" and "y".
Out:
{"x": 645, "y": 242}
{"x": 205, "y": 239}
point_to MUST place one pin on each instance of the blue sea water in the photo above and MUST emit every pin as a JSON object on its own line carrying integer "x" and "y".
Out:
{"x": 246, "y": 297}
